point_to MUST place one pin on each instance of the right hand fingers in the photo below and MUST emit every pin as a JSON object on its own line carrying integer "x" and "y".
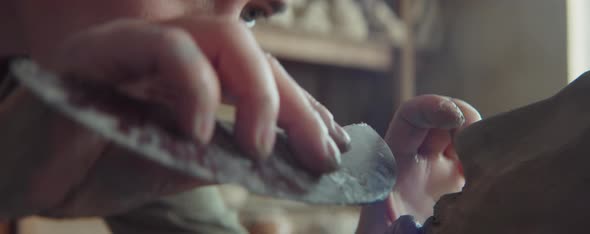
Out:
{"x": 320, "y": 140}
{"x": 337, "y": 132}
{"x": 245, "y": 77}
{"x": 163, "y": 64}
{"x": 157, "y": 64}
{"x": 264, "y": 94}
{"x": 408, "y": 131}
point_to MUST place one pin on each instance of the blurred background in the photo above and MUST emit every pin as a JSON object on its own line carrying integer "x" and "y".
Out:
{"x": 362, "y": 58}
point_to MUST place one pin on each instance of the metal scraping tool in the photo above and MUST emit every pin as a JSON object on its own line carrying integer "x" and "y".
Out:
{"x": 367, "y": 173}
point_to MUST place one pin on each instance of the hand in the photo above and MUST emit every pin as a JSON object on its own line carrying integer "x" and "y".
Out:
{"x": 185, "y": 65}
{"x": 421, "y": 139}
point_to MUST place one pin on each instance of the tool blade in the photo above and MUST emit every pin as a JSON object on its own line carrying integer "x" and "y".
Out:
{"x": 367, "y": 173}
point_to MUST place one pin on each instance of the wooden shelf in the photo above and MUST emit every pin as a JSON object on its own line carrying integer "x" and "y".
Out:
{"x": 296, "y": 46}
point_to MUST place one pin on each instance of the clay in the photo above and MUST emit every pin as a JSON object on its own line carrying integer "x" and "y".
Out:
{"x": 527, "y": 170}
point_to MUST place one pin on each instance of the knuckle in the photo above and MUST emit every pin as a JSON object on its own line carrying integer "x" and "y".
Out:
{"x": 264, "y": 100}
{"x": 314, "y": 102}
{"x": 172, "y": 36}
{"x": 319, "y": 122}
{"x": 323, "y": 111}
{"x": 171, "y": 41}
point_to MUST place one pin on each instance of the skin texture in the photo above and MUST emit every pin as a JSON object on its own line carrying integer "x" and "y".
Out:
{"x": 526, "y": 170}
{"x": 184, "y": 56}
{"x": 188, "y": 56}
{"x": 421, "y": 138}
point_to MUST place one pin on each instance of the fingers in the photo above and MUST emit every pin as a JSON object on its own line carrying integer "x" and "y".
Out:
{"x": 470, "y": 114}
{"x": 337, "y": 133}
{"x": 193, "y": 85}
{"x": 414, "y": 118}
{"x": 420, "y": 136}
{"x": 305, "y": 126}
{"x": 439, "y": 140}
{"x": 162, "y": 64}
{"x": 250, "y": 84}
{"x": 426, "y": 126}
{"x": 436, "y": 141}
{"x": 247, "y": 76}
{"x": 157, "y": 64}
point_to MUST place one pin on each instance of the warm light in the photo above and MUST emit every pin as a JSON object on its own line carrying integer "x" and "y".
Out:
{"x": 578, "y": 29}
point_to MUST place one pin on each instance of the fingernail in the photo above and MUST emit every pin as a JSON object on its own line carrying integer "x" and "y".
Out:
{"x": 332, "y": 152}
{"x": 450, "y": 107}
{"x": 343, "y": 137}
{"x": 266, "y": 141}
{"x": 204, "y": 128}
